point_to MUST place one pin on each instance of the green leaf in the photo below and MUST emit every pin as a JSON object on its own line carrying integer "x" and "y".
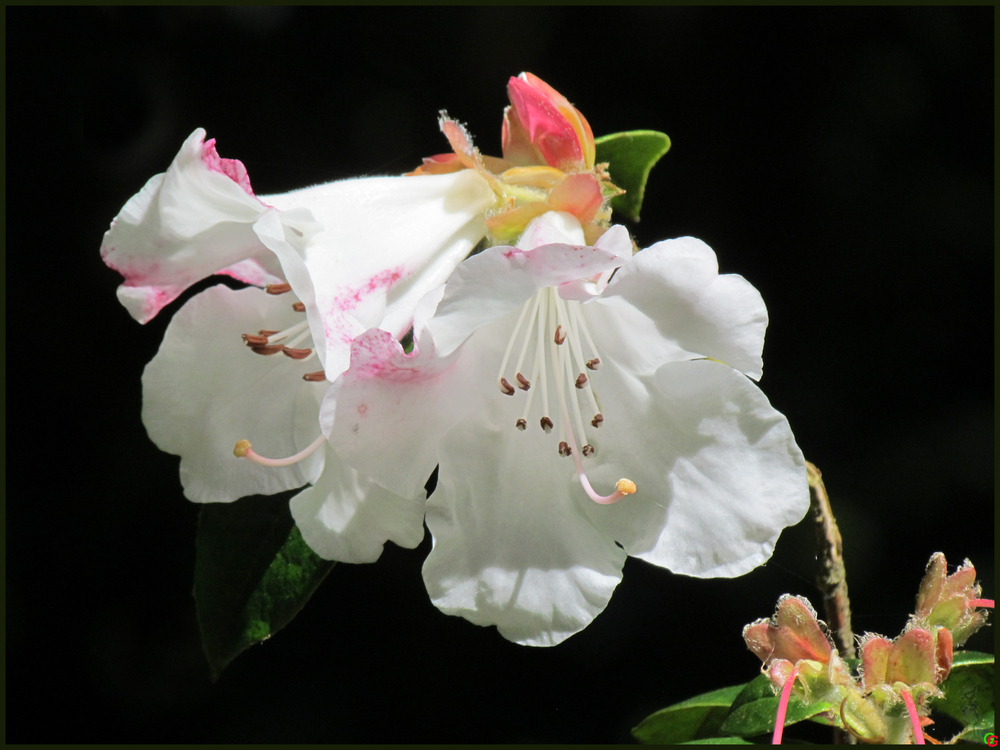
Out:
{"x": 695, "y": 718}
{"x": 720, "y": 741}
{"x": 977, "y": 732}
{"x": 253, "y": 573}
{"x": 968, "y": 691}
{"x": 754, "y": 710}
{"x": 631, "y": 155}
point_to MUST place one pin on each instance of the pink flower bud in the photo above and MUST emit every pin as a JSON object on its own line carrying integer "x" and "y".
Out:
{"x": 542, "y": 127}
{"x": 793, "y": 633}
{"x": 949, "y": 601}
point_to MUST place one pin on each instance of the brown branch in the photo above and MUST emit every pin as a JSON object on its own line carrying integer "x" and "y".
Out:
{"x": 831, "y": 578}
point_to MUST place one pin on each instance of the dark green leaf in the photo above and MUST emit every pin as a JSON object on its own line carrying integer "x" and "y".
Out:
{"x": 968, "y": 691}
{"x": 754, "y": 710}
{"x": 695, "y": 718}
{"x": 253, "y": 573}
{"x": 719, "y": 741}
{"x": 977, "y": 732}
{"x": 631, "y": 155}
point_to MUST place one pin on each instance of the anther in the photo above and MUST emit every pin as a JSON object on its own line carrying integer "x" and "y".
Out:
{"x": 267, "y": 349}
{"x": 278, "y": 288}
{"x": 299, "y": 307}
{"x": 506, "y": 388}
{"x": 253, "y": 340}
{"x": 593, "y": 364}
{"x": 596, "y": 421}
{"x": 521, "y": 424}
{"x": 314, "y": 377}
{"x": 564, "y": 449}
{"x": 581, "y": 381}
{"x": 296, "y": 353}
{"x": 560, "y": 336}
{"x": 546, "y": 425}
{"x": 262, "y": 332}
{"x": 588, "y": 450}
{"x": 523, "y": 383}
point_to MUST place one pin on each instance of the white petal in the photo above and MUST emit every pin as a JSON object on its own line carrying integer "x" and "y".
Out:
{"x": 386, "y": 414}
{"x": 513, "y": 546}
{"x": 670, "y": 303}
{"x": 387, "y": 241}
{"x": 347, "y": 517}
{"x": 489, "y": 285}
{"x": 188, "y": 223}
{"x": 717, "y": 469}
{"x": 204, "y": 390}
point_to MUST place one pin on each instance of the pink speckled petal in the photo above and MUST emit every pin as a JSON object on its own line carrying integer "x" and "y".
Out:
{"x": 489, "y": 285}
{"x": 185, "y": 224}
{"x": 386, "y": 414}
{"x": 386, "y": 242}
{"x": 347, "y": 517}
{"x": 204, "y": 390}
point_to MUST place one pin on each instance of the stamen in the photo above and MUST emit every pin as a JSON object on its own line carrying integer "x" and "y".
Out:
{"x": 277, "y": 336}
{"x": 252, "y": 340}
{"x": 243, "y": 450}
{"x": 296, "y": 353}
{"x": 278, "y": 288}
{"x": 574, "y": 312}
{"x": 299, "y": 307}
{"x": 581, "y": 325}
{"x": 567, "y": 373}
{"x": 542, "y": 366}
{"x": 593, "y": 364}
{"x": 267, "y": 350}
{"x": 525, "y": 384}
{"x": 314, "y": 377}
{"x": 564, "y": 449}
{"x": 596, "y": 421}
{"x": 560, "y": 336}
{"x": 506, "y": 387}
{"x": 262, "y": 332}
{"x": 521, "y": 424}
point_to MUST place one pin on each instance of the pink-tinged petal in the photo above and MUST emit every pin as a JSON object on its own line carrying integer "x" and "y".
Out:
{"x": 489, "y": 285}
{"x": 204, "y": 390}
{"x": 385, "y": 415}
{"x": 232, "y": 168}
{"x": 547, "y": 127}
{"x": 188, "y": 223}
{"x": 386, "y": 241}
{"x": 347, "y": 517}
{"x": 573, "y": 116}
{"x": 616, "y": 241}
{"x": 517, "y": 146}
{"x": 670, "y": 303}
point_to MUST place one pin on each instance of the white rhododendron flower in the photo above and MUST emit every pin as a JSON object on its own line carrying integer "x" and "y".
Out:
{"x": 336, "y": 260}
{"x": 534, "y": 381}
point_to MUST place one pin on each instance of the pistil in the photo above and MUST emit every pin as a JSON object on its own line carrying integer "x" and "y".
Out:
{"x": 242, "y": 450}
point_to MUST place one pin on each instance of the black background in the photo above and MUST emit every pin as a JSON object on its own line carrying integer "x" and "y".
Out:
{"x": 841, "y": 160}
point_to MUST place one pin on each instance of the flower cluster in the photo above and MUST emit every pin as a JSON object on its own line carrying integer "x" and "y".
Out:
{"x": 890, "y": 700}
{"x": 555, "y": 361}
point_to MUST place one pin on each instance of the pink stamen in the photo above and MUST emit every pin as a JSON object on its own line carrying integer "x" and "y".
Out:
{"x": 981, "y": 603}
{"x": 918, "y": 732}
{"x": 243, "y": 450}
{"x": 779, "y": 721}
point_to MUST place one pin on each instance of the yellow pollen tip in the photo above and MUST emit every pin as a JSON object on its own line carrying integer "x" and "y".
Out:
{"x": 625, "y": 486}
{"x": 242, "y": 446}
